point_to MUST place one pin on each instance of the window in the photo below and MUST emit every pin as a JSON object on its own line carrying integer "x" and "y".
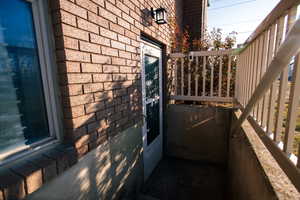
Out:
{"x": 26, "y": 96}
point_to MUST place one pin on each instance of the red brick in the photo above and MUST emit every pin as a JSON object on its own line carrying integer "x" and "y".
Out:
{"x": 71, "y": 90}
{"x": 69, "y": 67}
{"x": 75, "y": 32}
{"x": 131, "y": 49}
{"x": 124, "y": 39}
{"x": 88, "y": 26}
{"x": 93, "y": 107}
{"x": 129, "y": 4}
{"x": 111, "y": 85}
{"x": 101, "y": 96}
{"x": 118, "y": 61}
{"x": 83, "y": 150}
{"x": 70, "y": 43}
{"x": 135, "y": 43}
{"x": 99, "y": 2}
{"x": 135, "y": 15}
{"x": 98, "y": 20}
{"x": 67, "y": 18}
{"x": 117, "y": 45}
{"x": 127, "y": 18}
{"x": 80, "y": 100}
{"x": 131, "y": 63}
{"x": 102, "y": 77}
{"x": 109, "y": 51}
{"x": 72, "y": 8}
{"x": 110, "y": 69}
{"x": 89, "y": 67}
{"x": 107, "y": 33}
{"x": 113, "y": 9}
{"x": 88, "y": 5}
{"x": 80, "y": 121}
{"x": 93, "y": 87}
{"x": 89, "y": 47}
{"x": 120, "y": 92}
{"x": 75, "y": 111}
{"x": 11, "y": 185}
{"x": 124, "y": 54}
{"x": 119, "y": 77}
{"x": 123, "y": 23}
{"x": 79, "y": 78}
{"x": 125, "y": 69}
{"x": 72, "y": 55}
{"x": 130, "y": 34}
{"x": 117, "y": 28}
{"x": 101, "y": 59}
{"x": 123, "y": 7}
{"x": 82, "y": 141}
{"x": 107, "y": 15}
{"x": 99, "y": 40}
{"x": 32, "y": 175}
{"x": 47, "y": 165}
{"x": 132, "y": 76}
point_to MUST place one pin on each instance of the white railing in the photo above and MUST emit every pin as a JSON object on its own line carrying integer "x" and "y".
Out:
{"x": 203, "y": 76}
{"x": 264, "y": 89}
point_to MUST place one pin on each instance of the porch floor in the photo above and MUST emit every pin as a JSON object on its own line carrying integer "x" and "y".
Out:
{"x": 177, "y": 179}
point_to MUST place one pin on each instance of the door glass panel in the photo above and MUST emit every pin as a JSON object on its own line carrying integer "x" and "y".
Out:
{"x": 152, "y": 121}
{"x": 151, "y": 77}
{"x": 152, "y": 94}
{"x": 23, "y": 118}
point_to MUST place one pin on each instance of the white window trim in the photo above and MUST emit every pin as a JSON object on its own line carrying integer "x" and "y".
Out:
{"x": 45, "y": 42}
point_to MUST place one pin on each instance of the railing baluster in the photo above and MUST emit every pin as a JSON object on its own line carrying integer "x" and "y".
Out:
{"x": 189, "y": 77}
{"x": 237, "y": 79}
{"x": 228, "y": 75}
{"x": 175, "y": 77}
{"x": 293, "y": 108}
{"x": 220, "y": 76}
{"x": 211, "y": 79}
{"x": 273, "y": 89}
{"x": 255, "y": 70}
{"x": 204, "y": 76}
{"x": 283, "y": 85}
{"x": 298, "y": 163}
{"x": 197, "y": 76}
{"x": 270, "y": 55}
{"x": 182, "y": 76}
{"x": 262, "y": 59}
{"x": 250, "y": 72}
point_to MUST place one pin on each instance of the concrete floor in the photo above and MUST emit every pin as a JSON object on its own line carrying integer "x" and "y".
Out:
{"x": 176, "y": 179}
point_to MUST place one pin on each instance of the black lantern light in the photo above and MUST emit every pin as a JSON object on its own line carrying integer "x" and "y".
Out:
{"x": 160, "y": 15}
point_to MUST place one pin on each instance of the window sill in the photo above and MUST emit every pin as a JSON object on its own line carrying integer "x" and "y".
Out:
{"x": 25, "y": 175}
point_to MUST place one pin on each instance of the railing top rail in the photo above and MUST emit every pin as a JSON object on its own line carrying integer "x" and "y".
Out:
{"x": 282, "y": 8}
{"x": 205, "y": 53}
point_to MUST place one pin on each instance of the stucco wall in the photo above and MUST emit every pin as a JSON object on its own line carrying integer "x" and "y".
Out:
{"x": 111, "y": 170}
{"x": 198, "y": 132}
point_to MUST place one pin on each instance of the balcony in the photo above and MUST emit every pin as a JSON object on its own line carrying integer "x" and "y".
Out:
{"x": 247, "y": 98}
{"x": 230, "y": 128}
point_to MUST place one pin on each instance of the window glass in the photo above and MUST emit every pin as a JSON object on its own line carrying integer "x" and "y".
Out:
{"x": 23, "y": 117}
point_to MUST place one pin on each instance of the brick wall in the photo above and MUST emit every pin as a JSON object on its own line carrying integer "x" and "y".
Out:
{"x": 193, "y": 17}
{"x": 97, "y": 46}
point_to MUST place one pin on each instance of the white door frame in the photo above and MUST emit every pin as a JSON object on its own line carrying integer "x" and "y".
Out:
{"x": 152, "y": 153}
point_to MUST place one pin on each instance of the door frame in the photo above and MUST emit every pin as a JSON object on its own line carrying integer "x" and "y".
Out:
{"x": 150, "y": 149}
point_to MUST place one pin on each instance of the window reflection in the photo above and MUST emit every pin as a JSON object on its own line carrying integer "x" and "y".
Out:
{"x": 23, "y": 118}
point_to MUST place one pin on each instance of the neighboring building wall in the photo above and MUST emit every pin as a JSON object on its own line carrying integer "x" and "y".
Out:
{"x": 194, "y": 17}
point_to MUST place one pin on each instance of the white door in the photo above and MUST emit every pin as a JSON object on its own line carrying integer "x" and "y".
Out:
{"x": 151, "y": 58}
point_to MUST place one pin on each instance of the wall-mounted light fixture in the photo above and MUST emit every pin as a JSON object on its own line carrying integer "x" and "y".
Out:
{"x": 160, "y": 15}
